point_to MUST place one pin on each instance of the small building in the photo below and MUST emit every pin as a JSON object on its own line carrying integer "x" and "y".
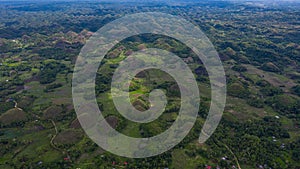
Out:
{"x": 66, "y": 159}
{"x": 208, "y": 167}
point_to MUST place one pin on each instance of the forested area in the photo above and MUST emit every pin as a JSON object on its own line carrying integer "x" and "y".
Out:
{"x": 257, "y": 42}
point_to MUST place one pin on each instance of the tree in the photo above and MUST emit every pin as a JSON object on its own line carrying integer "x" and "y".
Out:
{"x": 296, "y": 90}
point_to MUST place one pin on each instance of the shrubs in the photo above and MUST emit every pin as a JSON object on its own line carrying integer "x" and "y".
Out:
{"x": 53, "y": 112}
{"x": 51, "y": 87}
{"x": 13, "y": 117}
{"x": 238, "y": 90}
{"x": 255, "y": 102}
{"x": 4, "y": 106}
{"x": 25, "y": 102}
{"x": 271, "y": 91}
{"x": 239, "y": 68}
{"x": 102, "y": 83}
{"x": 284, "y": 104}
{"x": 262, "y": 83}
{"x": 271, "y": 67}
{"x": 49, "y": 72}
{"x": 296, "y": 90}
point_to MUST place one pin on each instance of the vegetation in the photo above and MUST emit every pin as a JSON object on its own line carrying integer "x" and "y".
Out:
{"x": 258, "y": 43}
